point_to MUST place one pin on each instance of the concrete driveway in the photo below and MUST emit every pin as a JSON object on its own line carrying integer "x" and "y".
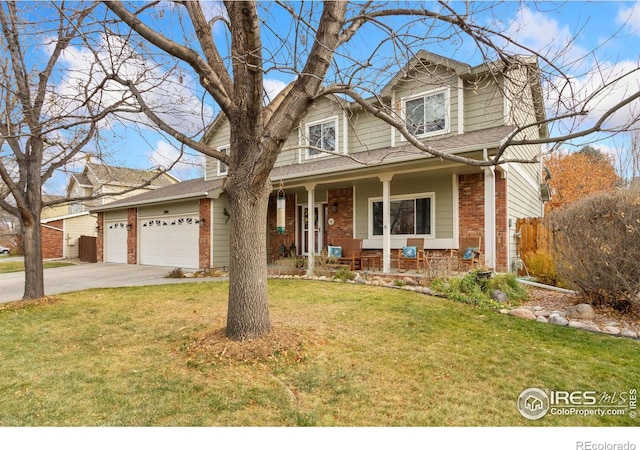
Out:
{"x": 86, "y": 276}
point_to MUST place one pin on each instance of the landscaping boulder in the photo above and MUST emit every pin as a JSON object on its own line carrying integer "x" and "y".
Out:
{"x": 581, "y": 311}
{"x": 558, "y": 320}
{"x": 499, "y": 296}
{"x": 523, "y": 313}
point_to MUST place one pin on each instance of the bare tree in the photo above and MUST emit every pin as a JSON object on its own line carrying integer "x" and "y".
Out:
{"x": 45, "y": 124}
{"x": 322, "y": 48}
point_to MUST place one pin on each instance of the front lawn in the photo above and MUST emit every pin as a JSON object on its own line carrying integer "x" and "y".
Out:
{"x": 340, "y": 355}
{"x": 18, "y": 266}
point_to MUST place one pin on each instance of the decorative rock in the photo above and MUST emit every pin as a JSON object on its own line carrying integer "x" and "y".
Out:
{"x": 504, "y": 311}
{"x": 542, "y": 313}
{"x": 575, "y": 324}
{"x": 611, "y": 330}
{"x": 628, "y": 333}
{"x": 557, "y": 313}
{"x": 581, "y": 311}
{"x": 591, "y": 327}
{"x": 523, "y": 313}
{"x": 558, "y": 320}
{"x": 499, "y": 296}
{"x": 541, "y": 319}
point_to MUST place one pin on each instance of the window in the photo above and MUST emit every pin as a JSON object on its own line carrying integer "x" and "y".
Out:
{"x": 321, "y": 137}
{"x": 222, "y": 167}
{"x": 427, "y": 114}
{"x": 409, "y": 216}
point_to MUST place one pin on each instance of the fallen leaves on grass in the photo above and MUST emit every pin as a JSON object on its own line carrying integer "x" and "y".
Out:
{"x": 21, "y": 304}
{"x": 284, "y": 343}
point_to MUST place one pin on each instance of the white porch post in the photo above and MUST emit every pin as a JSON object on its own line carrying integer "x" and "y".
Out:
{"x": 311, "y": 250}
{"x": 386, "y": 222}
{"x": 490, "y": 217}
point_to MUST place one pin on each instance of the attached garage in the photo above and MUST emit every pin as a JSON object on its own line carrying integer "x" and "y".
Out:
{"x": 169, "y": 240}
{"x": 115, "y": 236}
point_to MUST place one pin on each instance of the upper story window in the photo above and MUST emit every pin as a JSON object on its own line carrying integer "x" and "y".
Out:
{"x": 427, "y": 113}
{"x": 222, "y": 167}
{"x": 322, "y": 137}
{"x": 410, "y": 215}
{"x": 76, "y": 207}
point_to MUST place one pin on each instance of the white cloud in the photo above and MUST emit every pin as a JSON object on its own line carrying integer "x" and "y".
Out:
{"x": 630, "y": 18}
{"x": 189, "y": 165}
{"x": 272, "y": 88}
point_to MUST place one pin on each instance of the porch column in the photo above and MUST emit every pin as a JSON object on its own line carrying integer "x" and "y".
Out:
{"x": 311, "y": 250}
{"x": 490, "y": 217}
{"x": 386, "y": 222}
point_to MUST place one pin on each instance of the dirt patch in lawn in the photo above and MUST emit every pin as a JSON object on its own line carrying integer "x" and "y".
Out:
{"x": 283, "y": 343}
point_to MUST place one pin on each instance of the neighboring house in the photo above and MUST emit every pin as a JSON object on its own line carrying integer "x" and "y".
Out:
{"x": 63, "y": 224}
{"x": 458, "y": 108}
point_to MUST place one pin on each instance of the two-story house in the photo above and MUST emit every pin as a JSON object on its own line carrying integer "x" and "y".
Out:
{"x": 63, "y": 224}
{"x": 343, "y": 167}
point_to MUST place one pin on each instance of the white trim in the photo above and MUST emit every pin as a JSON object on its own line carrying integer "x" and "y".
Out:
{"x": 345, "y": 134}
{"x": 455, "y": 208}
{"x": 392, "y": 198}
{"x": 320, "y": 154}
{"x": 447, "y": 114}
{"x": 66, "y": 216}
{"x": 490, "y": 217}
{"x": 460, "y": 106}
{"x": 393, "y": 129}
{"x": 227, "y": 150}
{"x": 525, "y": 175}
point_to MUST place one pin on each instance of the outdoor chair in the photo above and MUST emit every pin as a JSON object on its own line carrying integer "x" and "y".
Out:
{"x": 347, "y": 251}
{"x": 469, "y": 252}
{"x": 413, "y": 252}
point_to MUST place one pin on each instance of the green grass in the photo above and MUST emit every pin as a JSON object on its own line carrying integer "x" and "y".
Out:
{"x": 370, "y": 357}
{"x": 18, "y": 266}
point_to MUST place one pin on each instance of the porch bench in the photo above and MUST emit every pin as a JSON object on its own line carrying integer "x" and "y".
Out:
{"x": 351, "y": 252}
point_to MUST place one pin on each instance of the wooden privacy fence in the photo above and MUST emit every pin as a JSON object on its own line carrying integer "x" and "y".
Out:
{"x": 534, "y": 235}
{"x": 87, "y": 250}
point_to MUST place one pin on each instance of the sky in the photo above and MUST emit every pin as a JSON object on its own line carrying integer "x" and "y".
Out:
{"x": 601, "y": 37}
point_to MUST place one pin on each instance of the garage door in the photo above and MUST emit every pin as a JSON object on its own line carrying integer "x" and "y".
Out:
{"x": 116, "y": 241}
{"x": 170, "y": 241}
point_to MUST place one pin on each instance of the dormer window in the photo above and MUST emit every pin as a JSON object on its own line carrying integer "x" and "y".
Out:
{"x": 322, "y": 137}
{"x": 222, "y": 167}
{"x": 427, "y": 113}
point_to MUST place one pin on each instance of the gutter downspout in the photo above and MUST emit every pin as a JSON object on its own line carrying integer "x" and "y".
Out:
{"x": 489, "y": 215}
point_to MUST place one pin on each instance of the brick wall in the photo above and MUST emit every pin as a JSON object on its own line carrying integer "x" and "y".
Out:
{"x": 273, "y": 238}
{"x": 132, "y": 236}
{"x": 100, "y": 237}
{"x": 343, "y": 218}
{"x": 471, "y": 206}
{"x": 502, "y": 234}
{"x": 52, "y": 239}
{"x": 471, "y": 203}
{"x": 204, "y": 238}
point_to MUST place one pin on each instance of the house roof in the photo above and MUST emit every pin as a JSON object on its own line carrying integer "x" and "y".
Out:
{"x": 185, "y": 190}
{"x": 461, "y": 143}
{"x": 200, "y": 188}
{"x": 96, "y": 175}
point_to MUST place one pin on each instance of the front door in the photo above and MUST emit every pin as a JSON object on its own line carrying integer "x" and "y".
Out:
{"x": 317, "y": 229}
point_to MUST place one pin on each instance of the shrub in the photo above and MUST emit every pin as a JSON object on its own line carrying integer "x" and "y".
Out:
{"x": 344, "y": 275}
{"x": 176, "y": 273}
{"x": 475, "y": 289}
{"x": 597, "y": 248}
{"x": 542, "y": 267}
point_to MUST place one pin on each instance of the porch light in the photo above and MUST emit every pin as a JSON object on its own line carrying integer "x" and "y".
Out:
{"x": 202, "y": 222}
{"x": 334, "y": 208}
{"x": 129, "y": 227}
{"x": 281, "y": 205}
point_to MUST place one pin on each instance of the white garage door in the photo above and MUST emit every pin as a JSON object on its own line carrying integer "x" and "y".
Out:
{"x": 116, "y": 241}
{"x": 170, "y": 241}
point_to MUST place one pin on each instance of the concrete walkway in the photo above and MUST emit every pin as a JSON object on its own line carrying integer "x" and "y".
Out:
{"x": 86, "y": 276}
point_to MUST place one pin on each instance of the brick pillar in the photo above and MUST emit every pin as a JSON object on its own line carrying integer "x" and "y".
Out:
{"x": 52, "y": 238}
{"x": 204, "y": 237}
{"x": 471, "y": 206}
{"x": 502, "y": 233}
{"x": 132, "y": 236}
{"x": 343, "y": 218}
{"x": 274, "y": 240}
{"x": 100, "y": 237}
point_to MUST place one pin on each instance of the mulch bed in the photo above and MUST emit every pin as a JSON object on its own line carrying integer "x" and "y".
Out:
{"x": 559, "y": 301}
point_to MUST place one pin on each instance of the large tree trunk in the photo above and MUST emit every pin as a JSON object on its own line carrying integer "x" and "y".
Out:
{"x": 248, "y": 312}
{"x": 32, "y": 242}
